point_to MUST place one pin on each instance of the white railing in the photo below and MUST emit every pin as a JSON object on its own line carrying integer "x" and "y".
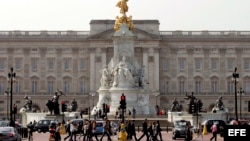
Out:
{"x": 204, "y": 33}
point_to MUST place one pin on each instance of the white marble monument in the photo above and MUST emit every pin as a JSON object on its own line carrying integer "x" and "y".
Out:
{"x": 123, "y": 74}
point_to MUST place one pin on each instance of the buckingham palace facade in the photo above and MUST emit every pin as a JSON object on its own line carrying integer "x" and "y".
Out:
{"x": 177, "y": 62}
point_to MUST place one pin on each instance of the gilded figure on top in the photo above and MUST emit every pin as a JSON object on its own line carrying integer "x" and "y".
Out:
{"x": 123, "y": 5}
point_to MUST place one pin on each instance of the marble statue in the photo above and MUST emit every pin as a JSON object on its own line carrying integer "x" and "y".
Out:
{"x": 105, "y": 77}
{"x": 53, "y": 104}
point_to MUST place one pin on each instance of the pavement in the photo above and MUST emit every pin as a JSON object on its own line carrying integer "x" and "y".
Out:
{"x": 166, "y": 136}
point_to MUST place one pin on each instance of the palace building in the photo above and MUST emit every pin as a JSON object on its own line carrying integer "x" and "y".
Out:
{"x": 177, "y": 62}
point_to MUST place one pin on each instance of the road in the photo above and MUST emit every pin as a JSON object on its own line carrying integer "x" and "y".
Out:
{"x": 167, "y": 136}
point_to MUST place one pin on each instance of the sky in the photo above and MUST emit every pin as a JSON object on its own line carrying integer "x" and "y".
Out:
{"x": 186, "y": 15}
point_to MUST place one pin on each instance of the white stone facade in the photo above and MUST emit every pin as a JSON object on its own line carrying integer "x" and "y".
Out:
{"x": 176, "y": 62}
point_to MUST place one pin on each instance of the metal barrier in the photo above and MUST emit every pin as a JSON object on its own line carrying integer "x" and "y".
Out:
{"x": 23, "y": 132}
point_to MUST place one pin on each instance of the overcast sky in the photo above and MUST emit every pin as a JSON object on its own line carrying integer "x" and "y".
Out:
{"x": 172, "y": 14}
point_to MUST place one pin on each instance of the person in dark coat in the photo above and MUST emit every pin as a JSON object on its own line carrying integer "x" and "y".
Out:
{"x": 132, "y": 131}
{"x": 158, "y": 130}
{"x": 144, "y": 130}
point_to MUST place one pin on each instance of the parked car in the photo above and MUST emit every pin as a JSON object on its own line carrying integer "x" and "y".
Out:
{"x": 43, "y": 125}
{"x": 220, "y": 125}
{"x": 180, "y": 129}
{"x": 4, "y": 123}
{"x": 240, "y": 122}
{"x": 9, "y": 134}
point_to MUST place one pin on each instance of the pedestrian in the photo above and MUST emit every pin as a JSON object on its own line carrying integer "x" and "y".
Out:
{"x": 188, "y": 133}
{"x": 158, "y": 130}
{"x": 73, "y": 130}
{"x": 122, "y": 134}
{"x": 67, "y": 131}
{"x": 57, "y": 133}
{"x": 31, "y": 127}
{"x": 132, "y": 131}
{"x": 133, "y": 112}
{"x": 214, "y": 132}
{"x": 94, "y": 130}
{"x": 128, "y": 128}
{"x": 107, "y": 128}
{"x": 199, "y": 132}
{"x": 129, "y": 114}
{"x": 85, "y": 130}
{"x": 144, "y": 130}
{"x": 89, "y": 130}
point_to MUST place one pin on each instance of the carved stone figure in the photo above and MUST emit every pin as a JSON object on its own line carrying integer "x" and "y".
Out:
{"x": 115, "y": 76}
{"x": 53, "y": 104}
{"x": 124, "y": 72}
{"x": 122, "y": 4}
{"x": 74, "y": 105}
{"x": 105, "y": 77}
{"x": 28, "y": 104}
{"x": 175, "y": 107}
{"x": 219, "y": 104}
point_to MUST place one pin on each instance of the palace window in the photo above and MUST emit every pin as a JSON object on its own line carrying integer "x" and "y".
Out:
{"x": 198, "y": 64}
{"x": 82, "y": 64}
{"x": 51, "y": 87}
{"x": 182, "y": 86}
{"x": 34, "y": 64}
{"x": 214, "y": 64}
{"x": 18, "y": 85}
{"x": 34, "y": 86}
{"x": 246, "y": 64}
{"x": 230, "y": 86}
{"x": 246, "y": 85}
{"x": 182, "y": 63}
{"x": 214, "y": 86}
{"x": 230, "y": 64}
{"x": 51, "y": 63}
{"x": 83, "y": 87}
{"x": 165, "y": 64}
{"x": 165, "y": 87}
{"x": 2, "y": 64}
{"x": 18, "y": 63}
{"x": 197, "y": 86}
{"x": 66, "y": 86}
{"x": 67, "y": 63}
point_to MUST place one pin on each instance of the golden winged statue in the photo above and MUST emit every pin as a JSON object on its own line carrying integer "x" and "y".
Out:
{"x": 123, "y": 5}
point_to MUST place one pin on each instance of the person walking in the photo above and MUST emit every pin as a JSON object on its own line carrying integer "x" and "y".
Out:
{"x": 94, "y": 134}
{"x": 73, "y": 130}
{"x": 57, "y": 133}
{"x": 122, "y": 134}
{"x": 214, "y": 132}
{"x": 67, "y": 131}
{"x": 132, "y": 131}
{"x": 133, "y": 112}
{"x": 144, "y": 130}
{"x": 158, "y": 130}
{"x": 107, "y": 128}
{"x": 198, "y": 132}
{"x": 85, "y": 131}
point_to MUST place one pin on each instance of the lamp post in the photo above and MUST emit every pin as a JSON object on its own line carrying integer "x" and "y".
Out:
{"x": 235, "y": 76}
{"x": 240, "y": 92}
{"x": 11, "y": 76}
{"x": 7, "y": 97}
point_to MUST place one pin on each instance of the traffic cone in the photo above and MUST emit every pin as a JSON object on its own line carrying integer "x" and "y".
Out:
{"x": 63, "y": 130}
{"x": 204, "y": 132}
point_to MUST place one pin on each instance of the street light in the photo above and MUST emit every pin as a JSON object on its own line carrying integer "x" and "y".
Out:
{"x": 235, "y": 76}
{"x": 11, "y": 76}
{"x": 240, "y": 92}
{"x": 7, "y": 95}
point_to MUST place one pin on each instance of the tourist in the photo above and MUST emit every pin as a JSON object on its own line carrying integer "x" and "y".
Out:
{"x": 158, "y": 130}
{"x": 214, "y": 132}
{"x": 144, "y": 130}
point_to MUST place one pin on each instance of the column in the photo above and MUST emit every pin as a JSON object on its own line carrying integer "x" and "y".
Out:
{"x": 145, "y": 60}
{"x": 104, "y": 54}
{"x": 223, "y": 67}
{"x": 75, "y": 69}
{"x": 26, "y": 69}
{"x": 43, "y": 68}
{"x": 59, "y": 67}
{"x": 190, "y": 67}
{"x": 156, "y": 65}
{"x": 92, "y": 69}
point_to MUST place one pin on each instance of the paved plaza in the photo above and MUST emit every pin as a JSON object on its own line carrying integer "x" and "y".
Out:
{"x": 167, "y": 136}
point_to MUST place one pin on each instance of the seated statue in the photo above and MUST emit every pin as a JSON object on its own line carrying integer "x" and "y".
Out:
{"x": 175, "y": 107}
{"x": 219, "y": 104}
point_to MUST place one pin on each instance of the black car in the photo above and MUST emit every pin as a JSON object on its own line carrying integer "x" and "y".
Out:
{"x": 220, "y": 125}
{"x": 180, "y": 129}
{"x": 43, "y": 125}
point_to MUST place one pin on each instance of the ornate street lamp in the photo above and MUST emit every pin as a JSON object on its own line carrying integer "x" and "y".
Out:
{"x": 240, "y": 93}
{"x": 7, "y": 97}
{"x": 235, "y": 79}
{"x": 11, "y": 76}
